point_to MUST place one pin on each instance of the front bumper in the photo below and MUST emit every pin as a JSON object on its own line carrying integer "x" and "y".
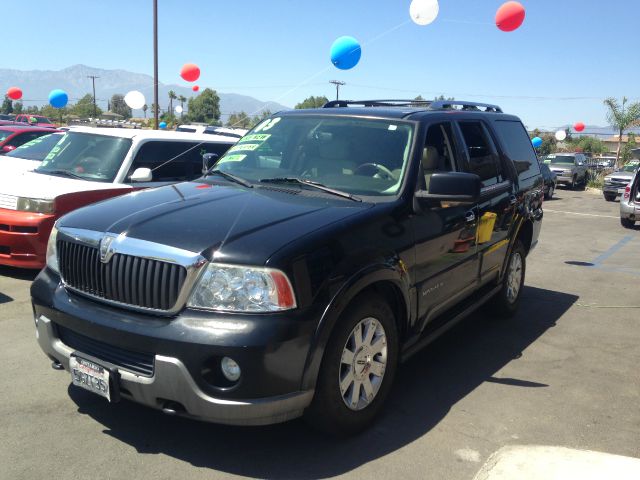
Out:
{"x": 23, "y": 238}
{"x": 565, "y": 180}
{"x": 271, "y": 351}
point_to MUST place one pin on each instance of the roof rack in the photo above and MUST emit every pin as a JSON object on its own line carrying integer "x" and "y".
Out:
{"x": 378, "y": 103}
{"x": 430, "y": 104}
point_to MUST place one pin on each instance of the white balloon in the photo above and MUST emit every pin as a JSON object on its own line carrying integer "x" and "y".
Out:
{"x": 561, "y": 135}
{"x": 134, "y": 99}
{"x": 178, "y": 109}
{"x": 424, "y": 12}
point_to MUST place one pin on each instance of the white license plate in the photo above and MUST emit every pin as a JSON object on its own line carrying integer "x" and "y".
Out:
{"x": 621, "y": 190}
{"x": 90, "y": 376}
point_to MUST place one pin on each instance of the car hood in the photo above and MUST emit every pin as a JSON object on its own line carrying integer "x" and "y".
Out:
{"x": 237, "y": 224}
{"x": 10, "y": 165}
{"x": 622, "y": 175}
{"x": 48, "y": 187}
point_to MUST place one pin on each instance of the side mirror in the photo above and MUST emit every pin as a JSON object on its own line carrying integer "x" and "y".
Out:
{"x": 207, "y": 160}
{"x": 141, "y": 175}
{"x": 459, "y": 187}
{"x": 8, "y": 148}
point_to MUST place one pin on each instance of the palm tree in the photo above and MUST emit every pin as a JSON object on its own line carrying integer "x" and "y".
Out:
{"x": 172, "y": 97}
{"x": 182, "y": 99}
{"x": 621, "y": 118}
{"x": 144, "y": 109}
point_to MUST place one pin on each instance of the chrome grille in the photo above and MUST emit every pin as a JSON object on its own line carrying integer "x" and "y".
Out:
{"x": 9, "y": 202}
{"x": 125, "y": 279}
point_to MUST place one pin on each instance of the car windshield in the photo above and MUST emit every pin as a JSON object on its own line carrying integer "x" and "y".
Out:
{"x": 4, "y": 134}
{"x": 563, "y": 159}
{"x": 42, "y": 120}
{"x": 90, "y": 156}
{"x": 632, "y": 167}
{"x": 36, "y": 149}
{"x": 356, "y": 155}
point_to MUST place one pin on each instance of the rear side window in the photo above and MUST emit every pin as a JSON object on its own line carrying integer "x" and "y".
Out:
{"x": 518, "y": 148}
{"x": 483, "y": 160}
{"x": 174, "y": 161}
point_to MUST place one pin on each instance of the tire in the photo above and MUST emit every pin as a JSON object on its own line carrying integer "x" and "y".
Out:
{"x": 573, "y": 183}
{"x": 506, "y": 302}
{"x": 329, "y": 411}
{"x": 549, "y": 194}
{"x": 609, "y": 197}
{"x": 626, "y": 223}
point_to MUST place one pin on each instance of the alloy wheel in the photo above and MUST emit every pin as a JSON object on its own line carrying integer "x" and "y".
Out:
{"x": 514, "y": 277}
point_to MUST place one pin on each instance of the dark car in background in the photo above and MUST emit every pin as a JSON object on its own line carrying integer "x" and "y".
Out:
{"x": 318, "y": 253}
{"x": 550, "y": 181}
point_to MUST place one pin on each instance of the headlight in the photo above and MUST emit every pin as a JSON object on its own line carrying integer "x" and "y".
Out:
{"x": 34, "y": 205}
{"x": 242, "y": 289}
{"x": 52, "y": 251}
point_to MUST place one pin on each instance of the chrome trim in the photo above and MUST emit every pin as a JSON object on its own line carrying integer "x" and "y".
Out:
{"x": 193, "y": 262}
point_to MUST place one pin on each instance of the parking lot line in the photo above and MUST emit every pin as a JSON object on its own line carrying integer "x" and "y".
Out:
{"x": 582, "y": 214}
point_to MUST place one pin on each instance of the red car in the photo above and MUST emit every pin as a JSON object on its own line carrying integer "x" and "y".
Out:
{"x": 35, "y": 120}
{"x": 12, "y": 136}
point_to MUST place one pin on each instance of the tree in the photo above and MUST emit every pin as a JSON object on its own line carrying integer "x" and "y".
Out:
{"x": 587, "y": 144}
{"x": 442, "y": 97}
{"x": 7, "y": 105}
{"x": 119, "y": 106}
{"x": 172, "y": 97}
{"x": 55, "y": 114}
{"x": 145, "y": 107}
{"x": 312, "y": 102}
{"x": 258, "y": 118}
{"x": 84, "y": 107}
{"x": 32, "y": 109}
{"x": 621, "y": 117}
{"x": 182, "y": 99}
{"x": 205, "y": 107}
{"x": 17, "y": 108}
{"x": 239, "y": 120}
{"x": 627, "y": 150}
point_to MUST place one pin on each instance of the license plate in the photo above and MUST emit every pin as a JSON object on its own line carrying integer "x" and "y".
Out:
{"x": 91, "y": 376}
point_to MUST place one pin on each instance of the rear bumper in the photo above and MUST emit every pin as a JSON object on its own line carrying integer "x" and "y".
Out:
{"x": 629, "y": 210}
{"x": 23, "y": 238}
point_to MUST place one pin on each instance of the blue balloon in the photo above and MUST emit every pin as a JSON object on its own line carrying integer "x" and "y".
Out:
{"x": 536, "y": 142}
{"x": 345, "y": 53}
{"x": 162, "y": 124}
{"x": 58, "y": 98}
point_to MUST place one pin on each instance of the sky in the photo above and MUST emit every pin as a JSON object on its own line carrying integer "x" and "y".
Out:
{"x": 554, "y": 70}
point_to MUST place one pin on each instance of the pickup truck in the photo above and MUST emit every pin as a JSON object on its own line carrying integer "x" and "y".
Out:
{"x": 571, "y": 168}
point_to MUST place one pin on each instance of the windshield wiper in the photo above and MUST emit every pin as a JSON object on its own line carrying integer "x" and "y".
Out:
{"x": 64, "y": 173}
{"x": 313, "y": 184}
{"x": 230, "y": 176}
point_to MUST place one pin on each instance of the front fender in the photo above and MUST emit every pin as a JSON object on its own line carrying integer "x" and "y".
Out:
{"x": 393, "y": 272}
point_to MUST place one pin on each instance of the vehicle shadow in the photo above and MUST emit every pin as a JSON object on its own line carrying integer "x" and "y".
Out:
{"x": 18, "y": 273}
{"x": 426, "y": 388}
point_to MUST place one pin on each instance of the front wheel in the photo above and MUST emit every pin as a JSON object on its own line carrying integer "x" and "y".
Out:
{"x": 626, "y": 223}
{"x": 505, "y": 302}
{"x": 549, "y": 194}
{"x": 574, "y": 183}
{"x": 609, "y": 197}
{"x": 357, "y": 370}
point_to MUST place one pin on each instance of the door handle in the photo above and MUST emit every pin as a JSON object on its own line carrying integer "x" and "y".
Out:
{"x": 470, "y": 217}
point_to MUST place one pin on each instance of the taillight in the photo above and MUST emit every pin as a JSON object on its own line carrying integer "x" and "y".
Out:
{"x": 627, "y": 191}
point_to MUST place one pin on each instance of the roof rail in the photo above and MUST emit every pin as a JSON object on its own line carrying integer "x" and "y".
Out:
{"x": 378, "y": 103}
{"x": 467, "y": 106}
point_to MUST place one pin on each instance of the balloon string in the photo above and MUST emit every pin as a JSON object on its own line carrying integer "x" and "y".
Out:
{"x": 466, "y": 22}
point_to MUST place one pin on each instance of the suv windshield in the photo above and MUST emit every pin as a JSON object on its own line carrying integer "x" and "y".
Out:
{"x": 632, "y": 167}
{"x": 87, "y": 155}
{"x": 563, "y": 159}
{"x": 36, "y": 149}
{"x": 360, "y": 156}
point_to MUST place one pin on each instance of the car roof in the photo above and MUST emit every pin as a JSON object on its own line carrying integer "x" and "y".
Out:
{"x": 26, "y": 128}
{"x": 152, "y": 134}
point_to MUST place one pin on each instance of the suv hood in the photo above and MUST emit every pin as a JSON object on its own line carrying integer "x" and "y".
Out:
{"x": 48, "y": 187}
{"x": 238, "y": 224}
{"x": 12, "y": 165}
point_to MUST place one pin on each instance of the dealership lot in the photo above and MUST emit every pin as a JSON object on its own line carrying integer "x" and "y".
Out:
{"x": 561, "y": 373}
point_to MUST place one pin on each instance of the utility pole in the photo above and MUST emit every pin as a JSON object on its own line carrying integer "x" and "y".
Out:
{"x": 338, "y": 84}
{"x": 93, "y": 81}
{"x": 155, "y": 62}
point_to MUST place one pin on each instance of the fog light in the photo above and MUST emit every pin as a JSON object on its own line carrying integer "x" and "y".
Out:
{"x": 230, "y": 369}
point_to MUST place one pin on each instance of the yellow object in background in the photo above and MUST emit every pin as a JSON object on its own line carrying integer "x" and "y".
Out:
{"x": 485, "y": 228}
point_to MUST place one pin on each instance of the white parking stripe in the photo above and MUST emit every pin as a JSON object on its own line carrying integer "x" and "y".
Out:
{"x": 577, "y": 213}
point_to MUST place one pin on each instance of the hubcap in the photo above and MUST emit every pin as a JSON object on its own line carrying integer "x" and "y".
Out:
{"x": 514, "y": 277}
{"x": 363, "y": 362}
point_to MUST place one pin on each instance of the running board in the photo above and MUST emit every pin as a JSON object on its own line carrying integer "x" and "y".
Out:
{"x": 470, "y": 305}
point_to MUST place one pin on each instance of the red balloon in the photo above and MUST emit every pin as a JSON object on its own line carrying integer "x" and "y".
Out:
{"x": 14, "y": 93}
{"x": 190, "y": 72}
{"x": 510, "y": 16}
{"x": 195, "y": 88}
{"x": 579, "y": 127}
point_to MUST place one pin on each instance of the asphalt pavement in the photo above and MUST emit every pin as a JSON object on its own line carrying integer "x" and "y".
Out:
{"x": 562, "y": 373}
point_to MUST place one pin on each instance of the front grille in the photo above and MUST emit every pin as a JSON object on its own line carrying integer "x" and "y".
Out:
{"x": 136, "y": 362}
{"x": 134, "y": 281}
{"x": 8, "y": 201}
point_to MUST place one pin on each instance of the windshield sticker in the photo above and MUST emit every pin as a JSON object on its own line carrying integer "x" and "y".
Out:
{"x": 267, "y": 124}
{"x": 393, "y": 127}
{"x": 245, "y": 146}
{"x": 234, "y": 158}
{"x": 49, "y": 157}
{"x": 256, "y": 137}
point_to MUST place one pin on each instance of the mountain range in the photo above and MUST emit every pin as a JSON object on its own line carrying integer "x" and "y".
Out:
{"x": 36, "y": 85}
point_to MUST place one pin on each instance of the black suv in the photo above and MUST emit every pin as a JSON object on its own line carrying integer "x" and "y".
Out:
{"x": 322, "y": 250}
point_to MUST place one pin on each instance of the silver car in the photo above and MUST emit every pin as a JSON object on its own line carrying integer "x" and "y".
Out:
{"x": 571, "y": 168}
{"x": 615, "y": 183}
{"x": 630, "y": 203}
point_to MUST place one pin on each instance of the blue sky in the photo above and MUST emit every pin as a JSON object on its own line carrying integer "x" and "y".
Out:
{"x": 569, "y": 54}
